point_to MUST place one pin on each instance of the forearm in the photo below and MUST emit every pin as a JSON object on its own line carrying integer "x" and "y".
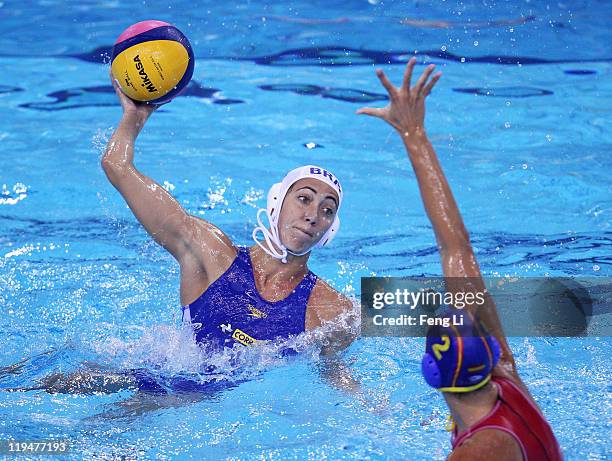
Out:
{"x": 119, "y": 153}
{"x": 437, "y": 196}
{"x": 160, "y": 214}
{"x": 459, "y": 264}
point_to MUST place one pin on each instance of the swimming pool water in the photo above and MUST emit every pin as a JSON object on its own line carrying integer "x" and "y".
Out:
{"x": 521, "y": 123}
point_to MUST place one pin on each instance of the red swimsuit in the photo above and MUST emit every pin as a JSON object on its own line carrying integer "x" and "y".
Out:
{"x": 515, "y": 414}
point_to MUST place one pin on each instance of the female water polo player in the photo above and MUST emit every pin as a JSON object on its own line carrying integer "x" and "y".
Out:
{"x": 495, "y": 416}
{"x": 231, "y": 294}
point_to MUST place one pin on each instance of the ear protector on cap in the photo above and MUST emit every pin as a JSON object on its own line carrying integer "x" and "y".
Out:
{"x": 430, "y": 371}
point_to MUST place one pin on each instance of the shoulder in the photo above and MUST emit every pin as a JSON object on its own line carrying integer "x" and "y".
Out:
{"x": 210, "y": 233}
{"x": 327, "y": 302}
{"x": 508, "y": 373}
{"x": 486, "y": 445}
{"x": 210, "y": 248}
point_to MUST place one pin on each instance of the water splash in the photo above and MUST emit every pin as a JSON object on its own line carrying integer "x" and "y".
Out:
{"x": 169, "y": 360}
{"x": 215, "y": 196}
{"x": 19, "y": 192}
{"x": 252, "y": 196}
{"x": 100, "y": 139}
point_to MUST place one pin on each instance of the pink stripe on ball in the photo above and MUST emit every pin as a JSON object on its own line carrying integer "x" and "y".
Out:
{"x": 139, "y": 28}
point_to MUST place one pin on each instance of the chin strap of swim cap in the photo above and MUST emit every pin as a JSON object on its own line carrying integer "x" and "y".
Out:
{"x": 276, "y": 196}
{"x": 272, "y": 237}
{"x": 269, "y": 237}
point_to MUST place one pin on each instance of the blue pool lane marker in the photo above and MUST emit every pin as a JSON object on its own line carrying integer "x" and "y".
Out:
{"x": 580, "y": 72}
{"x": 341, "y": 94}
{"x": 345, "y": 56}
{"x": 9, "y": 89}
{"x": 104, "y": 96}
{"x": 506, "y": 91}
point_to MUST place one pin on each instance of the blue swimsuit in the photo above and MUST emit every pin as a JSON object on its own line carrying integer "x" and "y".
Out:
{"x": 231, "y": 309}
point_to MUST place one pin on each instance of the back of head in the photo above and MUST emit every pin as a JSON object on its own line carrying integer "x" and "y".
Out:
{"x": 459, "y": 354}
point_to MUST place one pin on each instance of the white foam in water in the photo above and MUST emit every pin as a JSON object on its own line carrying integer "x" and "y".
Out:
{"x": 170, "y": 349}
{"x": 101, "y": 138}
{"x": 19, "y": 251}
{"x": 252, "y": 196}
{"x": 531, "y": 359}
{"x": 19, "y": 193}
{"x": 216, "y": 193}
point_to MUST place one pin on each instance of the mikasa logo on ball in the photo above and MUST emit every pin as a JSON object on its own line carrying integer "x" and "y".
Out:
{"x": 145, "y": 78}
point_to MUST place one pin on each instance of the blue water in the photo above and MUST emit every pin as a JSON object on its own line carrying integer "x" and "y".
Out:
{"x": 520, "y": 120}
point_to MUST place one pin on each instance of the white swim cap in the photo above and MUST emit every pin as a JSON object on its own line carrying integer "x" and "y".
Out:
{"x": 276, "y": 195}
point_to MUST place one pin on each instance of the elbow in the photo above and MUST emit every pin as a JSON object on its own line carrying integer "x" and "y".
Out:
{"x": 108, "y": 165}
{"x": 114, "y": 170}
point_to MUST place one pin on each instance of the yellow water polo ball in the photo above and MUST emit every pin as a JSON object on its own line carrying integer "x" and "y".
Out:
{"x": 152, "y": 61}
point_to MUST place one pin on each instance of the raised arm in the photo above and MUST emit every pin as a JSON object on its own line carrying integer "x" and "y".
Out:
{"x": 192, "y": 241}
{"x": 406, "y": 113}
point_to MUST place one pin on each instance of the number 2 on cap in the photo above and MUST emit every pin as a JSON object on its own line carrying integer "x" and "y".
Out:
{"x": 439, "y": 348}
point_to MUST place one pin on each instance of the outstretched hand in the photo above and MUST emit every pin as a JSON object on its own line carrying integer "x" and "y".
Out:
{"x": 406, "y": 109}
{"x": 142, "y": 110}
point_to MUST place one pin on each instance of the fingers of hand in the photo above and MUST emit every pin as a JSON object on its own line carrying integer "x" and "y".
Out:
{"x": 418, "y": 88}
{"x": 386, "y": 83}
{"x": 157, "y": 106}
{"x": 408, "y": 73}
{"x": 114, "y": 82}
{"x": 123, "y": 99}
{"x": 374, "y": 112}
{"x": 431, "y": 84}
{"x": 116, "y": 88}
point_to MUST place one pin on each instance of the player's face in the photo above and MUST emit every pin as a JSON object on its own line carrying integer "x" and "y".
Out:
{"x": 308, "y": 211}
